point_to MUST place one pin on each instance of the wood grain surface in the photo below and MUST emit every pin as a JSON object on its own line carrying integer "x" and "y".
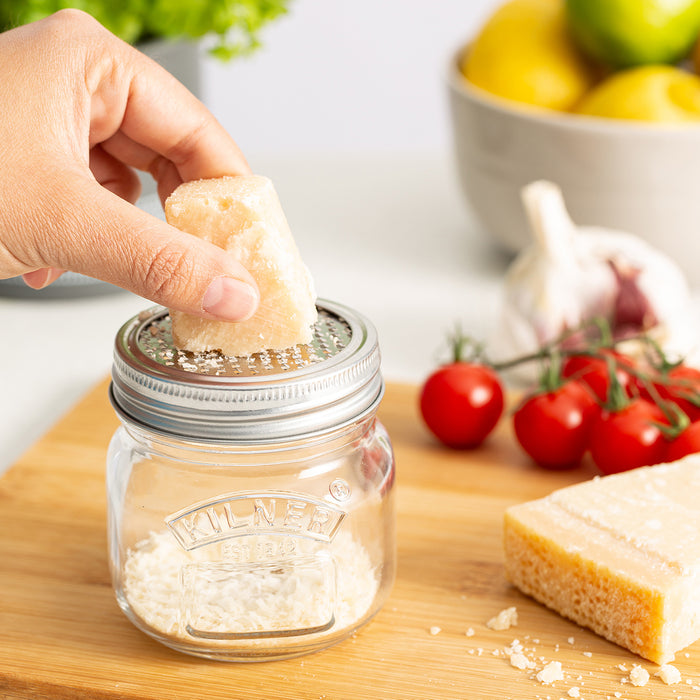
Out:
{"x": 62, "y": 635}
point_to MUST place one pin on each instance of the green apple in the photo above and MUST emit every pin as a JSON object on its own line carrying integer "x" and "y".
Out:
{"x": 625, "y": 33}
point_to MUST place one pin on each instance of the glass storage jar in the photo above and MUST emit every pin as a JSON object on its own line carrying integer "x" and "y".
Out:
{"x": 250, "y": 499}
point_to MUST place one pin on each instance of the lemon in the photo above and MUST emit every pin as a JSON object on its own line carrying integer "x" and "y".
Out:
{"x": 524, "y": 53}
{"x": 625, "y": 33}
{"x": 647, "y": 93}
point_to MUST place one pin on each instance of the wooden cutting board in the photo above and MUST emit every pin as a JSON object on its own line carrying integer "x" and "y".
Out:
{"x": 62, "y": 635}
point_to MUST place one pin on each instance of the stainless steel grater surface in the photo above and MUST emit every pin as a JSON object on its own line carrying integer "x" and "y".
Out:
{"x": 267, "y": 396}
{"x": 331, "y": 335}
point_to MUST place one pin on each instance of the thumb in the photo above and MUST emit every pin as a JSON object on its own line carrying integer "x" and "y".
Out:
{"x": 123, "y": 245}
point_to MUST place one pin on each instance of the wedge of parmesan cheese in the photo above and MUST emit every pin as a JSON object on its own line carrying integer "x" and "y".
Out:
{"x": 243, "y": 215}
{"x": 618, "y": 554}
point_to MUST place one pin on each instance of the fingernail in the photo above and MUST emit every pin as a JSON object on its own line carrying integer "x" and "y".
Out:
{"x": 230, "y": 299}
{"x": 38, "y": 279}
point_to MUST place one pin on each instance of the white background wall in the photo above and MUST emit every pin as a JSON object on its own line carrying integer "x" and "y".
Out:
{"x": 346, "y": 75}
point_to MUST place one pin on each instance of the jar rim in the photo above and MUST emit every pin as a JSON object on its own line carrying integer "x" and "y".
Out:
{"x": 315, "y": 395}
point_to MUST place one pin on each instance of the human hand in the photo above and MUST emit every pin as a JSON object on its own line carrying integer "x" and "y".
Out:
{"x": 82, "y": 109}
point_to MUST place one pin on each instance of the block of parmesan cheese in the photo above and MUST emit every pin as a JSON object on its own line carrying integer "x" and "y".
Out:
{"x": 618, "y": 554}
{"x": 243, "y": 215}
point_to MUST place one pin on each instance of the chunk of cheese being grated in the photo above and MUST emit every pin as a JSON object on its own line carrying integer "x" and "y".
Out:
{"x": 243, "y": 215}
{"x": 618, "y": 554}
{"x": 264, "y": 596}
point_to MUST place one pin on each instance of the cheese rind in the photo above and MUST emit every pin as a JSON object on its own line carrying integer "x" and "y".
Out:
{"x": 619, "y": 555}
{"x": 243, "y": 215}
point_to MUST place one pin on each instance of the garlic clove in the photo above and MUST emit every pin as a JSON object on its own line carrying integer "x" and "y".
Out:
{"x": 652, "y": 276}
{"x": 551, "y": 226}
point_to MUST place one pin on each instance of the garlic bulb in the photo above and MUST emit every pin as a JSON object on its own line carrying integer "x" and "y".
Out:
{"x": 570, "y": 274}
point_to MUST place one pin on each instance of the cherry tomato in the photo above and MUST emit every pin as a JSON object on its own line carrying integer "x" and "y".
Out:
{"x": 461, "y": 403}
{"x": 554, "y": 427}
{"x": 593, "y": 371}
{"x": 687, "y": 443}
{"x": 628, "y": 438}
{"x": 683, "y": 384}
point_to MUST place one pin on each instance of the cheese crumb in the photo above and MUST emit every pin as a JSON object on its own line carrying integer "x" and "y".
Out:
{"x": 470, "y": 632}
{"x": 435, "y": 630}
{"x": 520, "y": 661}
{"x": 573, "y": 692}
{"x": 550, "y": 673}
{"x": 571, "y": 640}
{"x": 587, "y": 654}
{"x": 504, "y": 620}
{"x": 669, "y": 674}
{"x": 639, "y": 676}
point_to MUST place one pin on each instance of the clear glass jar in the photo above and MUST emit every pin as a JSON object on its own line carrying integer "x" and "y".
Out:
{"x": 250, "y": 500}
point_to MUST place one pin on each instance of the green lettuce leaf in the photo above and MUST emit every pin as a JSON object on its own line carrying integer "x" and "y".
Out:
{"x": 235, "y": 24}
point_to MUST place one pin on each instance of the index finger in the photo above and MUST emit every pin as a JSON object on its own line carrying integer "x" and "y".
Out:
{"x": 133, "y": 95}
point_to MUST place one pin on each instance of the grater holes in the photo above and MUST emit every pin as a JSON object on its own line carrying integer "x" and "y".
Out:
{"x": 331, "y": 335}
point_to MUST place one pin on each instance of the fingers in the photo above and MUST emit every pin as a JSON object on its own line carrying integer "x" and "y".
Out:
{"x": 122, "y": 149}
{"x": 116, "y": 242}
{"x": 140, "y": 113}
{"x": 109, "y": 91}
{"x": 187, "y": 135}
{"x": 114, "y": 175}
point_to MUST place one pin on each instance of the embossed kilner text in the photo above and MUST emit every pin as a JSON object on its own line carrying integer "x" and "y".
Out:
{"x": 251, "y": 513}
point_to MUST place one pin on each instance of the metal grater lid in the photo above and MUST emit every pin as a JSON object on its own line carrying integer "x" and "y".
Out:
{"x": 270, "y": 396}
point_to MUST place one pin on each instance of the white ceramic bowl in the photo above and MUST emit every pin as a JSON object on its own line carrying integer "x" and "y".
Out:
{"x": 636, "y": 177}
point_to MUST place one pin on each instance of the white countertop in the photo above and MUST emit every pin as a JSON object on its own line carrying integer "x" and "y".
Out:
{"x": 386, "y": 234}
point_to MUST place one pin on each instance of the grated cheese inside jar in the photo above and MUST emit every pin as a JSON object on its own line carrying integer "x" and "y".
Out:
{"x": 250, "y": 499}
